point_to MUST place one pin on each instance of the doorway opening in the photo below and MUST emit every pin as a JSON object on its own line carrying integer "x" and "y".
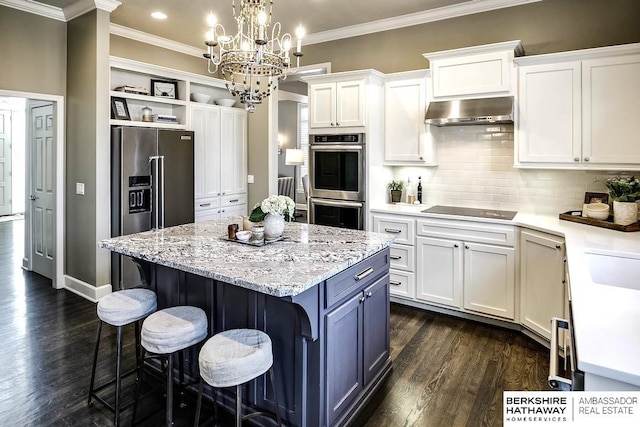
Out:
{"x": 32, "y": 185}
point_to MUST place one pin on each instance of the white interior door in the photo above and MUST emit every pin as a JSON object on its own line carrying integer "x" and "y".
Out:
{"x": 42, "y": 145}
{"x": 5, "y": 162}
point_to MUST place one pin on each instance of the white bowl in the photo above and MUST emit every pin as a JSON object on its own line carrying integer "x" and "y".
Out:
{"x": 597, "y": 211}
{"x": 200, "y": 97}
{"x": 243, "y": 236}
{"x": 225, "y": 102}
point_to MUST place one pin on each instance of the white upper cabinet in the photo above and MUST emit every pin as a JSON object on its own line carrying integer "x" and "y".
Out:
{"x": 407, "y": 139}
{"x": 339, "y": 104}
{"x": 611, "y": 110}
{"x": 474, "y": 71}
{"x": 549, "y": 100}
{"x": 580, "y": 110}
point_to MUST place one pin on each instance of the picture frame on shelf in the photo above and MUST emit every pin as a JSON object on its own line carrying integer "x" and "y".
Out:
{"x": 591, "y": 197}
{"x": 119, "y": 108}
{"x": 164, "y": 88}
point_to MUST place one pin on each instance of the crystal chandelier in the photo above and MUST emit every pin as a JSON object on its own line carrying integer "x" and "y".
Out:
{"x": 252, "y": 61}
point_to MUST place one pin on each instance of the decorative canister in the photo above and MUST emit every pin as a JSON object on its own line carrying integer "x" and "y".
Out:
{"x": 625, "y": 213}
{"x": 273, "y": 226}
{"x": 258, "y": 232}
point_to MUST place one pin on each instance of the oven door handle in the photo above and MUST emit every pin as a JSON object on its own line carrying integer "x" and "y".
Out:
{"x": 338, "y": 203}
{"x": 557, "y": 382}
{"x": 323, "y": 147}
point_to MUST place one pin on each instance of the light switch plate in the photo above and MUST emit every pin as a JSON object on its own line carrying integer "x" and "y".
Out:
{"x": 249, "y": 179}
{"x": 80, "y": 188}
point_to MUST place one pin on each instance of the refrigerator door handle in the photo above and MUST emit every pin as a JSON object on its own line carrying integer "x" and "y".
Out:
{"x": 162, "y": 191}
{"x": 155, "y": 184}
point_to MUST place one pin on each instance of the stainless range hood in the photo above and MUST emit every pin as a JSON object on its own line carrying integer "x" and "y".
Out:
{"x": 479, "y": 111}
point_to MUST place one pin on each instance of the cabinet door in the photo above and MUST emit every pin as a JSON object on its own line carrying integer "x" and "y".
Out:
{"x": 322, "y": 105}
{"x": 610, "y": 108}
{"x": 233, "y": 152}
{"x": 550, "y": 123}
{"x": 542, "y": 287}
{"x": 489, "y": 279}
{"x": 350, "y": 103}
{"x": 344, "y": 356}
{"x": 439, "y": 275}
{"x": 205, "y": 122}
{"x": 405, "y": 104}
{"x": 376, "y": 327}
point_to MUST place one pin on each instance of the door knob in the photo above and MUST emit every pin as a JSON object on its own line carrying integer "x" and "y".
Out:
{"x": 32, "y": 197}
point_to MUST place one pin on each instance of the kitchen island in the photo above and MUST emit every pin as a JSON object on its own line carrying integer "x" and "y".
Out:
{"x": 321, "y": 294}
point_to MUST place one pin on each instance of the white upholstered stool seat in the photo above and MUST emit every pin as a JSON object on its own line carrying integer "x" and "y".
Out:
{"x": 119, "y": 309}
{"x": 232, "y": 358}
{"x": 174, "y": 328}
{"x": 169, "y": 331}
{"x": 126, "y": 306}
{"x": 235, "y": 357}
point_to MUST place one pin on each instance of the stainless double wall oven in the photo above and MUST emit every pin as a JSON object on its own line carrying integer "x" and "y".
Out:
{"x": 337, "y": 183}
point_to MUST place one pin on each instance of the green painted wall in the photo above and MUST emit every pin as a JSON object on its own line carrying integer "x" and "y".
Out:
{"x": 543, "y": 27}
{"x": 34, "y": 53}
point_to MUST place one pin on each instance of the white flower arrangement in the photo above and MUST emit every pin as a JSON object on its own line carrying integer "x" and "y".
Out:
{"x": 277, "y": 205}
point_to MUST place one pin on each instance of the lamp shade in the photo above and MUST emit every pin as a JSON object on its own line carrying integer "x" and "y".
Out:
{"x": 294, "y": 157}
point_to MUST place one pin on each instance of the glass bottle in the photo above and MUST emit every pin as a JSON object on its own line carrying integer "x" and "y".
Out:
{"x": 419, "y": 189}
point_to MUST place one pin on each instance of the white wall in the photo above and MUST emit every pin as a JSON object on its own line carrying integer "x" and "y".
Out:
{"x": 18, "y": 145}
{"x": 476, "y": 170}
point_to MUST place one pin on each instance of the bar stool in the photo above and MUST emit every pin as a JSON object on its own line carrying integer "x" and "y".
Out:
{"x": 166, "y": 332}
{"x": 118, "y": 309}
{"x": 232, "y": 358}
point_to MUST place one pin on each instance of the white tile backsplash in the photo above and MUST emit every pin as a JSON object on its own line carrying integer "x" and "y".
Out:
{"x": 476, "y": 170}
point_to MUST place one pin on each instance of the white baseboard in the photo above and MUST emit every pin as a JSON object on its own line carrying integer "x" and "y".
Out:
{"x": 86, "y": 290}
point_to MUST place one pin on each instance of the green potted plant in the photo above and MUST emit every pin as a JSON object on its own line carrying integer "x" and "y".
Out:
{"x": 624, "y": 191}
{"x": 395, "y": 188}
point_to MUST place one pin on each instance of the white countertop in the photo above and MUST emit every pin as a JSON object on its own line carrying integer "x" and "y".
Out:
{"x": 606, "y": 318}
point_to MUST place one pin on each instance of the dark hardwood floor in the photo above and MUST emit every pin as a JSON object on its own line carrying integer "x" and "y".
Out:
{"x": 446, "y": 371}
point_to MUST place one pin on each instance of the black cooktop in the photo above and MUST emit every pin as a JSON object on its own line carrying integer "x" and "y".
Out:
{"x": 478, "y": 213}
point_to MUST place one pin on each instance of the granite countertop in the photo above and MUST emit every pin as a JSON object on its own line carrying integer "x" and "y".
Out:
{"x": 606, "y": 318}
{"x": 308, "y": 255}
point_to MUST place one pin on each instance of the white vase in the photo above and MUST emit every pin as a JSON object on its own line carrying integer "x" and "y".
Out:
{"x": 625, "y": 213}
{"x": 273, "y": 226}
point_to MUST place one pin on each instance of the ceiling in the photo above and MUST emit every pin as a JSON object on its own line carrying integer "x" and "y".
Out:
{"x": 186, "y": 22}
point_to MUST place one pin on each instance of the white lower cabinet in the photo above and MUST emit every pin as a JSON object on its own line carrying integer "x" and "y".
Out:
{"x": 542, "y": 284}
{"x": 439, "y": 277}
{"x": 460, "y": 267}
{"x": 401, "y": 255}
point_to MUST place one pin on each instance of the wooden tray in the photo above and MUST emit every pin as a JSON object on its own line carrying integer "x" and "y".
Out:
{"x": 255, "y": 242}
{"x": 576, "y": 216}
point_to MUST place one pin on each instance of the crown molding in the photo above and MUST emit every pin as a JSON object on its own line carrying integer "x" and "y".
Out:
{"x": 35, "y": 8}
{"x": 439, "y": 14}
{"x": 68, "y": 13}
{"x": 83, "y": 6}
{"x": 143, "y": 37}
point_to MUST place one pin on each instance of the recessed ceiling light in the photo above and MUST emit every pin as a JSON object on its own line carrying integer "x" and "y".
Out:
{"x": 159, "y": 15}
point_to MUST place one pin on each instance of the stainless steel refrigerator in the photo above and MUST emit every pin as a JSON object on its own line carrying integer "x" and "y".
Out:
{"x": 151, "y": 188}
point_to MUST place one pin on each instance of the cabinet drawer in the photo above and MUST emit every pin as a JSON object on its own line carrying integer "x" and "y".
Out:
{"x": 402, "y": 283}
{"x": 402, "y": 257}
{"x": 233, "y": 200}
{"x": 356, "y": 277}
{"x": 401, "y": 228}
{"x": 206, "y": 215}
{"x": 207, "y": 203}
{"x": 468, "y": 231}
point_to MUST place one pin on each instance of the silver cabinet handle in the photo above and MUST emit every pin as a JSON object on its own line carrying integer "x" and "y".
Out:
{"x": 456, "y": 245}
{"x": 393, "y": 230}
{"x": 369, "y": 294}
{"x": 586, "y": 159}
{"x": 395, "y": 283}
{"x": 555, "y": 381}
{"x": 363, "y": 274}
{"x": 337, "y": 124}
{"x": 466, "y": 247}
{"x": 395, "y": 257}
{"x": 362, "y": 299}
{"x": 558, "y": 246}
{"x": 234, "y": 201}
{"x": 332, "y": 124}
{"x": 204, "y": 205}
{"x": 576, "y": 159}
